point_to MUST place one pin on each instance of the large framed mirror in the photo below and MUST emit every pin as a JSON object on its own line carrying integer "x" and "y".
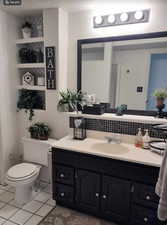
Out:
{"x": 124, "y": 70}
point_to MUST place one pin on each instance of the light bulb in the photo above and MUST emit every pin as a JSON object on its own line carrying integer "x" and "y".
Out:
{"x": 111, "y": 19}
{"x": 139, "y": 15}
{"x": 98, "y": 20}
{"x": 124, "y": 17}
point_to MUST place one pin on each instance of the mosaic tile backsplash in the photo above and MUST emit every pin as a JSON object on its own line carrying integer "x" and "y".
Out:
{"x": 120, "y": 127}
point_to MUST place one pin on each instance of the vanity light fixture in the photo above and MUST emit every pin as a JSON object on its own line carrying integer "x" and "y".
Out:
{"x": 138, "y": 16}
{"x": 111, "y": 18}
{"x": 98, "y": 20}
{"x": 124, "y": 17}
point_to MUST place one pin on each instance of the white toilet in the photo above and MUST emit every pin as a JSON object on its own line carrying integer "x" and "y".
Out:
{"x": 23, "y": 176}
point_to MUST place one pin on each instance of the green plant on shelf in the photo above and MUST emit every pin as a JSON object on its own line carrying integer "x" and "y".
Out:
{"x": 40, "y": 131}
{"x": 26, "y": 25}
{"x": 29, "y": 100}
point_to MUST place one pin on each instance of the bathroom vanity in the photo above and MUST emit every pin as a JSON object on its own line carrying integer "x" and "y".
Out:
{"x": 111, "y": 181}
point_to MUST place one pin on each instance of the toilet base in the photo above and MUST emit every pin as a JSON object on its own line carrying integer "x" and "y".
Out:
{"x": 23, "y": 194}
{"x": 24, "y": 186}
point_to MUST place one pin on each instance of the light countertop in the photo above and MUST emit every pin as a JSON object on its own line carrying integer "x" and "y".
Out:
{"x": 100, "y": 147}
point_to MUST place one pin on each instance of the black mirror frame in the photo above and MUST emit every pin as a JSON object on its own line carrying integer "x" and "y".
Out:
{"x": 116, "y": 38}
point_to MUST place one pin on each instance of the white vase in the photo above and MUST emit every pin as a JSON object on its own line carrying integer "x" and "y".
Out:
{"x": 26, "y": 32}
{"x": 41, "y": 81}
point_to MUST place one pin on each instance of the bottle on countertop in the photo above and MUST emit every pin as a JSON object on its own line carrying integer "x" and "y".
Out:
{"x": 146, "y": 140}
{"x": 139, "y": 139}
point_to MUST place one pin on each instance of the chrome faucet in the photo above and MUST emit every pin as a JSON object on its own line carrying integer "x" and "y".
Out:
{"x": 115, "y": 139}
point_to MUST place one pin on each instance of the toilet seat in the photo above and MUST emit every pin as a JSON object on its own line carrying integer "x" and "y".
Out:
{"x": 22, "y": 171}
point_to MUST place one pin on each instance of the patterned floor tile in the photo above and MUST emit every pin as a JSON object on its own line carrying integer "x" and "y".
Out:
{"x": 64, "y": 216}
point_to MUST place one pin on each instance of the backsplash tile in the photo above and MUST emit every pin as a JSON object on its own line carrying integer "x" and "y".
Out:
{"x": 120, "y": 127}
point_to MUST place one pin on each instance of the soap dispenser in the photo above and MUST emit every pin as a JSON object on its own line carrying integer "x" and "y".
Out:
{"x": 146, "y": 140}
{"x": 139, "y": 139}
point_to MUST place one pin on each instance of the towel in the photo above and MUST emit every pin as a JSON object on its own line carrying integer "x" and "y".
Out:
{"x": 161, "y": 189}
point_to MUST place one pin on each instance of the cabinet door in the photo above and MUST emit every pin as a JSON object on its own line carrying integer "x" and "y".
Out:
{"x": 115, "y": 199}
{"x": 87, "y": 190}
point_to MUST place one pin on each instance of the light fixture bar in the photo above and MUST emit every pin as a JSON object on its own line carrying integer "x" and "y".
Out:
{"x": 123, "y": 18}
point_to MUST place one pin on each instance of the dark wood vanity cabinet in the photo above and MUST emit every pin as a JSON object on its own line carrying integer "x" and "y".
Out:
{"x": 119, "y": 191}
{"x": 87, "y": 190}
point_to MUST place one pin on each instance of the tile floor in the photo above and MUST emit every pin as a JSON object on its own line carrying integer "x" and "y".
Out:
{"x": 64, "y": 216}
{"x": 31, "y": 213}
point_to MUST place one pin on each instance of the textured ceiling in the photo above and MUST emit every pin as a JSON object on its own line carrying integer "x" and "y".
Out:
{"x": 80, "y": 5}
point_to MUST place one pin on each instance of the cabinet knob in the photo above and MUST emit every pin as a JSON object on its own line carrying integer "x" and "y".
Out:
{"x": 148, "y": 197}
{"x": 62, "y": 194}
{"x": 145, "y": 219}
{"x": 104, "y": 196}
{"x": 62, "y": 175}
{"x": 97, "y": 195}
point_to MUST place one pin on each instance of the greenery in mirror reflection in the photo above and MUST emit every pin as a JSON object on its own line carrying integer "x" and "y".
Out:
{"x": 160, "y": 93}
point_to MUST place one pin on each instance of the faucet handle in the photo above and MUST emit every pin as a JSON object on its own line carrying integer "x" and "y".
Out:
{"x": 118, "y": 138}
{"x": 115, "y": 138}
{"x": 108, "y": 138}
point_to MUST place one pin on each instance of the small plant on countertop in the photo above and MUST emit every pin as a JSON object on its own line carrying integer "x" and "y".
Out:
{"x": 39, "y": 131}
{"x": 71, "y": 101}
{"x": 28, "y": 101}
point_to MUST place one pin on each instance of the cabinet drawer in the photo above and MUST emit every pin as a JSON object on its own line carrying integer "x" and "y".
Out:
{"x": 63, "y": 174}
{"x": 64, "y": 157}
{"x": 63, "y": 194}
{"x": 145, "y": 195}
{"x": 141, "y": 215}
{"x": 132, "y": 171}
{"x": 89, "y": 162}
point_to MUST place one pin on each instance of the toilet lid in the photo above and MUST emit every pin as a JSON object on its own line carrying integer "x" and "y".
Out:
{"x": 22, "y": 170}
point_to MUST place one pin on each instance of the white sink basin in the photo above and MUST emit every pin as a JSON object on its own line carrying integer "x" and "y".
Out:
{"x": 116, "y": 149}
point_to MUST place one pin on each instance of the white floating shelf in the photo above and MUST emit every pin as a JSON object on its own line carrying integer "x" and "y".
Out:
{"x": 31, "y": 65}
{"x": 30, "y": 40}
{"x": 36, "y": 88}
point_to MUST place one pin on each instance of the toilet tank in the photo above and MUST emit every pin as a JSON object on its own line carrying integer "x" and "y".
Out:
{"x": 36, "y": 151}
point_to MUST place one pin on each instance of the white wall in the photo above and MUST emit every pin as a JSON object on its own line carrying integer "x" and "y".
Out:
{"x": 97, "y": 72}
{"x": 80, "y": 27}
{"x": 55, "y": 34}
{"x": 8, "y": 93}
{"x": 138, "y": 62}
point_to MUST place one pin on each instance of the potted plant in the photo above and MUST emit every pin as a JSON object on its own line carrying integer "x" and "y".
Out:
{"x": 39, "y": 131}
{"x": 161, "y": 95}
{"x": 29, "y": 100}
{"x": 71, "y": 101}
{"x": 26, "y": 30}
{"x": 33, "y": 131}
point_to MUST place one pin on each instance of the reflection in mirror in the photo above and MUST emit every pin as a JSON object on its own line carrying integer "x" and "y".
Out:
{"x": 125, "y": 72}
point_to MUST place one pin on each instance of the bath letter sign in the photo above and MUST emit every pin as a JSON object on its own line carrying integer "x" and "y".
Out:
{"x": 50, "y": 68}
{"x": 12, "y": 2}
